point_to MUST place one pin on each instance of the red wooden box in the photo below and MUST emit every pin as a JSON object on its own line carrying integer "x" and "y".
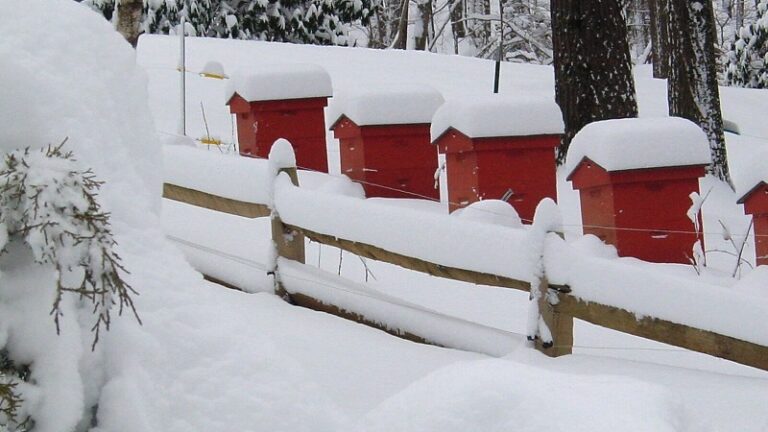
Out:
{"x": 300, "y": 121}
{"x": 643, "y": 212}
{"x": 756, "y": 203}
{"x": 489, "y": 167}
{"x": 390, "y": 161}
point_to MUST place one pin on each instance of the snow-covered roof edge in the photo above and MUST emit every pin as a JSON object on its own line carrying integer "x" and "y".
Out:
{"x": 391, "y": 105}
{"x": 498, "y": 116}
{"x": 637, "y": 143}
{"x": 280, "y": 82}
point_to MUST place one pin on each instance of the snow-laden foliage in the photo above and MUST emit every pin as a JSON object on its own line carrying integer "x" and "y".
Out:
{"x": 322, "y": 22}
{"x": 747, "y": 57}
{"x": 49, "y": 205}
{"x": 47, "y": 201}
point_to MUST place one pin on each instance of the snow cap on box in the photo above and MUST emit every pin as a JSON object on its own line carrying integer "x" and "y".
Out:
{"x": 499, "y": 116}
{"x": 386, "y": 105}
{"x": 636, "y": 143}
{"x": 277, "y": 81}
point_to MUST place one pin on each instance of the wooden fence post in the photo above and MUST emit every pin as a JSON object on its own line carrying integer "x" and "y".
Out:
{"x": 553, "y": 331}
{"x": 288, "y": 242}
{"x": 560, "y": 325}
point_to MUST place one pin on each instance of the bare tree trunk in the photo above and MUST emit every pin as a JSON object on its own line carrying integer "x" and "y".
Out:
{"x": 593, "y": 69}
{"x": 425, "y": 10}
{"x": 401, "y": 40}
{"x": 692, "y": 84}
{"x": 457, "y": 14}
{"x": 129, "y": 20}
{"x": 659, "y": 38}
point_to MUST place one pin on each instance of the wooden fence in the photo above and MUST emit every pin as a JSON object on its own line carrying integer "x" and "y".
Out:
{"x": 557, "y": 306}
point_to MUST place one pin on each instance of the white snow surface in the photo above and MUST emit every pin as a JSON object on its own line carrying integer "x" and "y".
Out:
{"x": 386, "y": 105}
{"x": 71, "y": 79}
{"x": 500, "y": 115}
{"x": 211, "y": 359}
{"x": 625, "y": 144}
{"x": 276, "y": 81}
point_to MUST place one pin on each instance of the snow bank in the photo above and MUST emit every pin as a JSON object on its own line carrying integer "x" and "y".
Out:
{"x": 490, "y": 395}
{"x": 56, "y": 87}
{"x": 498, "y": 116}
{"x": 277, "y": 81}
{"x": 239, "y": 178}
{"x": 386, "y": 105}
{"x": 75, "y": 79}
{"x": 624, "y": 144}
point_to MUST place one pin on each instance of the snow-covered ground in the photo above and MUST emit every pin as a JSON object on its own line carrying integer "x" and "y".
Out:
{"x": 237, "y": 247}
{"x": 211, "y": 359}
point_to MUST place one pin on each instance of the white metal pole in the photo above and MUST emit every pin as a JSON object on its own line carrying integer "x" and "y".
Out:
{"x": 183, "y": 72}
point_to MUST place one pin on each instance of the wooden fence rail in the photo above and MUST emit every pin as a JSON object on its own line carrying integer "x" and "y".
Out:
{"x": 558, "y": 313}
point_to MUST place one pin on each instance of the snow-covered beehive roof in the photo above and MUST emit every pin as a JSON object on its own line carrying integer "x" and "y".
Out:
{"x": 636, "y": 143}
{"x": 498, "y": 116}
{"x": 388, "y": 105}
{"x": 281, "y": 81}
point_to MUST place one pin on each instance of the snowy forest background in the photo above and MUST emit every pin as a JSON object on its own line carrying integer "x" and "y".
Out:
{"x": 466, "y": 27}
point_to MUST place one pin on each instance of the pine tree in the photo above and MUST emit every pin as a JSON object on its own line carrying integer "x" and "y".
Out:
{"x": 747, "y": 57}
{"x": 593, "y": 69}
{"x": 692, "y": 85}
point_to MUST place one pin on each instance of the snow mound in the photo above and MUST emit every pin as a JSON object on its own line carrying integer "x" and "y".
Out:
{"x": 72, "y": 79}
{"x": 387, "y": 105}
{"x": 624, "y": 144}
{"x": 489, "y": 395}
{"x": 281, "y": 81}
{"x": 499, "y": 116}
{"x": 496, "y": 212}
{"x": 75, "y": 78}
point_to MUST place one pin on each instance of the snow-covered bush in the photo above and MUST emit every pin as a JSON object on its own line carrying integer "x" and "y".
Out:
{"x": 49, "y": 214}
{"x": 747, "y": 57}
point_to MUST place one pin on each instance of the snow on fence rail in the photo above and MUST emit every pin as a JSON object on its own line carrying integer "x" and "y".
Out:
{"x": 623, "y": 295}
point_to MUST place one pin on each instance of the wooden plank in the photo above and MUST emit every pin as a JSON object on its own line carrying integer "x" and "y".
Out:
{"x": 668, "y": 332}
{"x": 416, "y": 264}
{"x": 214, "y": 202}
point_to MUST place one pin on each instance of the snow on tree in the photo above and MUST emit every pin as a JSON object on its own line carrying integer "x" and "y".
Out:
{"x": 50, "y": 216}
{"x": 692, "y": 84}
{"x": 747, "y": 57}
{"x": 527, "y": 32}
{"x": 323, "y": 22}
{"x": 593, "y": 68}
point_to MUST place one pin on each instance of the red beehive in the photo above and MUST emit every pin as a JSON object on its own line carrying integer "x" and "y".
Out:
{"x": 497, "y": 146}
{"x": 283, "y": 101}
{"x": 635, "y": 178}
{"x": 756, "y": 203}
{"x": 384, "y": 141}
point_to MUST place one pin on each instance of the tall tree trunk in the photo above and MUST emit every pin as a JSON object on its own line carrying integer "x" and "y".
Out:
{"x": 129, "y": 20}
{"x": 593, "y": 69}
{"x": 457, "y": 15}
{"x": 692, "y": 84}
{"x": 401, "y": 39}
{"x": 425, "y": 12}
{"x": 659, "y": 37}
